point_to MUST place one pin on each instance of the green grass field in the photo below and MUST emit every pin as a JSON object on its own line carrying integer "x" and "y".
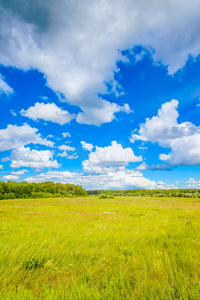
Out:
{"x": 90, "y": 248}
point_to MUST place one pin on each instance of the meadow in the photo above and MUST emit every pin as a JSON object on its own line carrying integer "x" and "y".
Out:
{"x": 90, "y": 248}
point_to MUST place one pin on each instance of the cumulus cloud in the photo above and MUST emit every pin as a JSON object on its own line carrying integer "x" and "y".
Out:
{"x": 182, "y": 138}
{"x": 116, "y": 179}
{"x": 14, "y": 175}
{"x": 104, "y": 113}
{"x": 193, "y": 183}
{"x": 165, "y": 157}
{"x": 165, "y": 186}
{"x": 111, "y": 157}
{"x": 87, "y": 146}
{"x": 25, "y": 157}
{"x": 1, "y": 167}
{"x": 4, "y": 87}
{"x": 66, "y": 134}
{"x": 48, "y": 112}
{"x": 76, "y": 44}
{"x": 126, "y": 108}
{"x": 164, "y": 127}
{"x": 11, "y": 177}
{"x": 185, "y": 151}
{"x": 15, "y": 136}
{"x": 65, "y": 153}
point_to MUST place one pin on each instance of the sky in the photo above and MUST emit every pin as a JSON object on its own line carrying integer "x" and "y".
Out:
{"x": 104, "y": 94}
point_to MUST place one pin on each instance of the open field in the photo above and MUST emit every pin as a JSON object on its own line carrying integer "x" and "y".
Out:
{"x": 90, "y": 248}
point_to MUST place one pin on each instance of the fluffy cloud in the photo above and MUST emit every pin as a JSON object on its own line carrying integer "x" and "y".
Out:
{"x": 4, "y": 87}
{"x": 14, "y": 175}
{"x": 25, "y": 157}
{"x": 11, "y": 177}
{"x": 183, "y": 138}
{"x": 109, "y": 158}
{"x": 15, "y": 136}
{"x": 164, "y": 127}
{"x": 66, "y": 148}
{"x": 116, "y": 179}
{"x": 185, "y": 151}
{"x": 104, "y": 113}
{"x": 87, "y": 146}
{"x": 48, "y": 112}
{"x": 165, "y": 186}
{"x": 21, "y": 172}
{"x": 75, "y": 43}
{"x": 194, "y": 184}
{"x": 66, "y": 155}
{"x": 66, "y": 134}
{"x": 1, "y": 167}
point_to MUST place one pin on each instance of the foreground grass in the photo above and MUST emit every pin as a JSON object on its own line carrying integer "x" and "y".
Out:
{"x": 87, "y": 248}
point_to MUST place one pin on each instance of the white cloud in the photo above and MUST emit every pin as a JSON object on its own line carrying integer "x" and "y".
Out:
{"x": 15, "y": 136}
{"x": 126, "y": 109}
{"x": 165, "y": 157}
{"x": 73, "y": 156}
{"x": 25, "y": 157}
{"x": 136, "y": 137}
{"x": 185, "y": 151}
{"x": 48, "y": 112}
{"x": 164, "y": 127}
{"x": 142, "y": 166}
{"x": 11, "y": 177}
{"x": 105, "y": 113}
{"x": 66, "y": 134}
{"x": 183, "y": 138}
{"x": 165, "y": 186}
{"x": 14, "y": 175}
{"x": 87, "y": 146}
{"x": 13, "y": 112}
{"x": 66, "y": 148}
{"x": 66, "y": 155}
{"x": 4, "y": 87}
{"x": 50, "y": 136}
{"x": 1, "y": 167}
{"x": 193, "y": 183}
{"x": 111, "y": 157}
{"x": 44, "y": 98}
{"x": 21, "y": 172}
{"x": 115, "y": 179}
{"x": 75, "y": 43}
{"x": 159, "y": 167}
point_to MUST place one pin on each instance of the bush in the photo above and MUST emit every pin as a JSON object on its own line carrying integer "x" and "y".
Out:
{"x": 103, "y": 196}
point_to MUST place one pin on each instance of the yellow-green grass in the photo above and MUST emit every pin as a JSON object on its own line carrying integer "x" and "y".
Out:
{"x": 90, "y": 248}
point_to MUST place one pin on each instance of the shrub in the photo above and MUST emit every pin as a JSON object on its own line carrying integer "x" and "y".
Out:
{"x": 103, "y": 196}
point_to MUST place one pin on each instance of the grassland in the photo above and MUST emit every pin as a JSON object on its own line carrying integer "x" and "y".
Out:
{"x": 90, "y": 248}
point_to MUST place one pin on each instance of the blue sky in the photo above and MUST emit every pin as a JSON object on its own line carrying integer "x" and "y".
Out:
{"x": 103, "y": 94}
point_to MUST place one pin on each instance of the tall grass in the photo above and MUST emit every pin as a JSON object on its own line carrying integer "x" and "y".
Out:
{"x": 90, "y": 248}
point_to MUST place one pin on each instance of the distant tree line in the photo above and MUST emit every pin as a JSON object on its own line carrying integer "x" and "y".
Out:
{"x": 12, "y": 190}
{"x": 187, "y": 193}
